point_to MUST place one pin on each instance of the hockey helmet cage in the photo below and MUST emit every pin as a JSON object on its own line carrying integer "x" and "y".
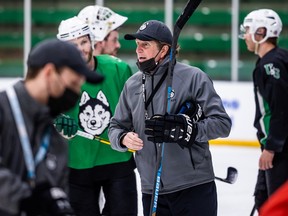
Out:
{"x": 101, "y": 20}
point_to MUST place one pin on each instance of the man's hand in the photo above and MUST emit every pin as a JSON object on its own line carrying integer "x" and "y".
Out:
{"x": 132, "y": 141}
{"x": 66, "y": 126}
{"x": 193, "y": 110}
{"x": 171, "y": 128}
{"x": 266, "y": 159}
{"x": 48, "y": 200}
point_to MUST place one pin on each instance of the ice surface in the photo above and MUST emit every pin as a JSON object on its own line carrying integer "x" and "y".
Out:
{"x": 233, "y": 199}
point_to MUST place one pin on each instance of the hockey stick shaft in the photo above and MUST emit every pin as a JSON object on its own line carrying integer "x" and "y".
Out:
{"x": 181, "y": 21}
{"x": 253, "y": 210}
{"x": 91, "y": 137}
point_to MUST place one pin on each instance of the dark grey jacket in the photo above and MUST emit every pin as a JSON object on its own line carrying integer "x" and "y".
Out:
{"x": 13, "y": 175}
{"x": 180, "y": 170}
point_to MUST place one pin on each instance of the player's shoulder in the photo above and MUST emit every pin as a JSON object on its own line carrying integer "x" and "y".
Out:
{"x": 282, "y": 54}
{"x": 110, "y": 59}
{"x": 114, "y": 65}
{"x": 113, "y": 61}
{"x": 276, "y": 55}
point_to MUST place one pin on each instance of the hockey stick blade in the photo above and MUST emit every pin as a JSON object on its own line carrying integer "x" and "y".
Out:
{"x": 232, "y": 175}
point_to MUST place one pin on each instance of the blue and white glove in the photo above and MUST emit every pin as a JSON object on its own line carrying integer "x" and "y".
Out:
{"x": 66, "y": 126}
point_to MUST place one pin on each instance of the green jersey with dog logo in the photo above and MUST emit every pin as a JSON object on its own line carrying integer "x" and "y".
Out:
{"x": 95, "y": 108}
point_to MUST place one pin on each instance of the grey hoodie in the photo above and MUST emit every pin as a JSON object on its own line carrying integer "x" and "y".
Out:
{"x": 182, "y": 168}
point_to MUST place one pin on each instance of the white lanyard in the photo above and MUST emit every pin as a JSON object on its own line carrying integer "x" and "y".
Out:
{"x": 25, "y": 143}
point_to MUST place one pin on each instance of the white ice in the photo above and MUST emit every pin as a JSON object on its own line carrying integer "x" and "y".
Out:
{"x": 233, "y": 199}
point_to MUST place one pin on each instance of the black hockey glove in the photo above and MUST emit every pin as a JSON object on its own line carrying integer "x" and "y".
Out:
{"x": 48, "y": 201}
{"x": 171, "y": 128}
{"x": 193, "y": 110}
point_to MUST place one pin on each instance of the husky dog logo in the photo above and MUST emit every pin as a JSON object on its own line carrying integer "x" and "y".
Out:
{"x": 94, "y": 113}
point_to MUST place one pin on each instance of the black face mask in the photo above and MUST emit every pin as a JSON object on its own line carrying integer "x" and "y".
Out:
{"x": 62, "y": 103}
{"x": 147, "y": 66}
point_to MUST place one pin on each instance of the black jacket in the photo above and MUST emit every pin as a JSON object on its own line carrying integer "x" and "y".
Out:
{"x": 270, "y": 79}
{"x": 13, "y": 174}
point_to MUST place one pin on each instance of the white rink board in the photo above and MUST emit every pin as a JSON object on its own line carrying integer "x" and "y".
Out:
{"x": 238, "y": 100}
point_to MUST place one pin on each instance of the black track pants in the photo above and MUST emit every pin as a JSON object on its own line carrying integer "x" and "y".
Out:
{"x": 195, "y": 201}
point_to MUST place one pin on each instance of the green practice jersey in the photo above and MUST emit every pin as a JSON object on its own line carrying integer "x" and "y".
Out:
{"x": 93, "y": 112}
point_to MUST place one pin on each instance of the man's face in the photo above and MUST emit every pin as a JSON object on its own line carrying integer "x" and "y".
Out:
{"x": 67, "y": 78}
{"x": 111, "y": 44}
{"x": 247, "y": 36}
{"x": 146, "y": 50}
{"x": 84, "y": 46}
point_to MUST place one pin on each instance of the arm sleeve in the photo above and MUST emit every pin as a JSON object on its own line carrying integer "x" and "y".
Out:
{"x": 12, "y": 189}
{"x": 216, "y": 122}
{"x": 116, "y": 129}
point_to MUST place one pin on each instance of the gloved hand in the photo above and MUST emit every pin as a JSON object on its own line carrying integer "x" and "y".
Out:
{"x": 171, "y": 128}
{"x": 193, "y": 110}
{"x": 66, "y": 126}
{"x": 48, "y": 201}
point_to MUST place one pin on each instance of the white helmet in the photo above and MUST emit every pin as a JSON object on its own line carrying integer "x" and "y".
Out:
{"x": 266, "y": 18}
{"x": 101, "y": 20}
{"x": 73, "y": 28}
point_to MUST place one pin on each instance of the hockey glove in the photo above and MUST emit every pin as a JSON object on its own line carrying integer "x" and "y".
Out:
{"x": 193, "y": 110}
{"x": 66, "y": 126}
{"x": 171, "y": 128}
{"x": 47, "y": 200}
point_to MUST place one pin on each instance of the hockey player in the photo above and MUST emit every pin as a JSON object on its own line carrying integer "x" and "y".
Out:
{"x": 260, "y": 30}
{"x": 104, "y": 24}
{"x": 187, "y": 184}
{"x": 93, "y": 164}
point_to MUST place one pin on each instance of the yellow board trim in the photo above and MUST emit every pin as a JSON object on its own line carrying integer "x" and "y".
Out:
{"x": 246, "y": 143}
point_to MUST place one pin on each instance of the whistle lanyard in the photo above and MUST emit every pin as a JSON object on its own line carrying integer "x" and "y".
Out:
{"x": 24, "y": 139}
{"x": 146, "y": 103}
{"x": 144, "y": 95}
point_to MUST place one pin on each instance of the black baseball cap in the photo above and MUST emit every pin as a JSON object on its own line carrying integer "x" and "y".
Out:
{"x": 61, "y": 53}
{"x": 152, "y": 30}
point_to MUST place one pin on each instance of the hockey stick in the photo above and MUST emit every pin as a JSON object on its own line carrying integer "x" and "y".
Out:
{"x": 253, "y": 210}
{"x": 180, "y": 22}
{"x": 91, "y": 137}
{"x": 232, "y": 175}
